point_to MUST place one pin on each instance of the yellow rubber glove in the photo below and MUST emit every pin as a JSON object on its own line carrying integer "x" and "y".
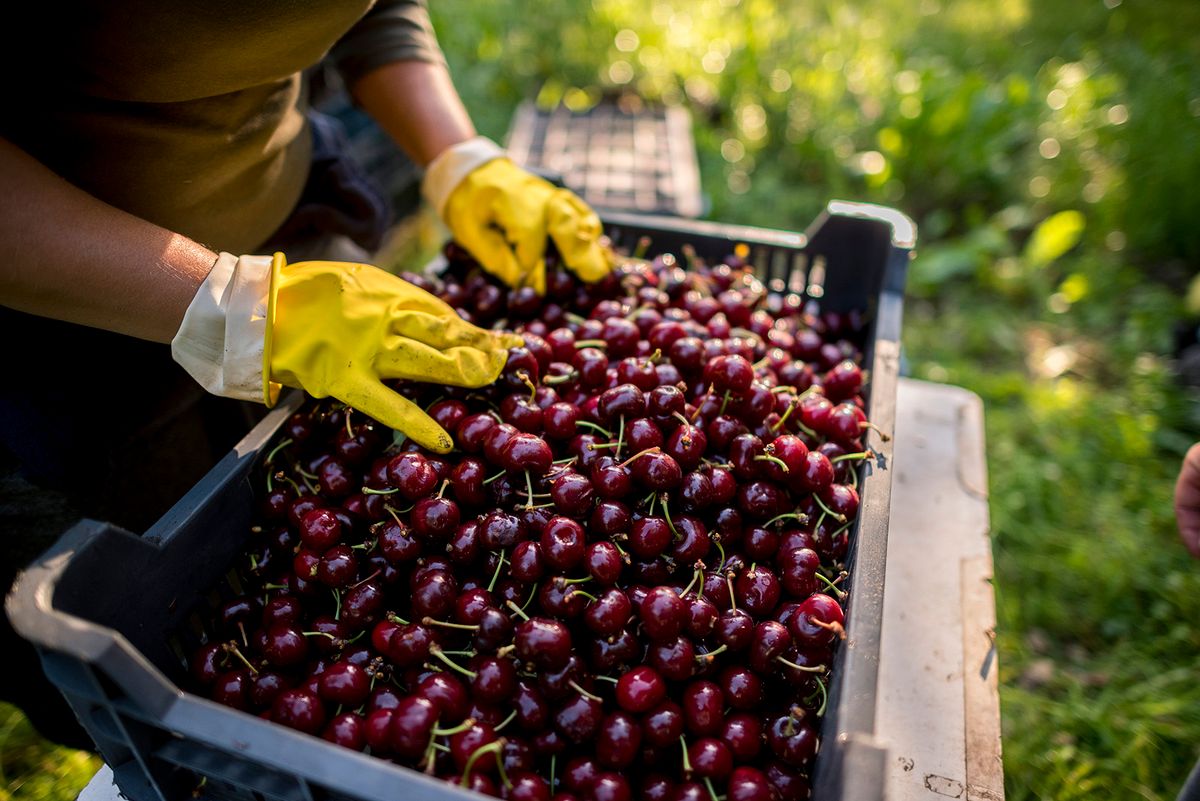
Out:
{"x": 339, "y": 329}
{"x": 502, "y": 215}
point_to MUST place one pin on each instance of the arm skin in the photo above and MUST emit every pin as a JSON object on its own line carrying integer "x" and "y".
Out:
{"x": 72, "y": 257}
{"x": 418, "y": 106}
{"x": 1187, "y": 500}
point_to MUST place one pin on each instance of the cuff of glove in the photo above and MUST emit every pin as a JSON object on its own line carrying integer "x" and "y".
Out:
{"x": 221, "y": 340}
{"x": 447, "y": 171}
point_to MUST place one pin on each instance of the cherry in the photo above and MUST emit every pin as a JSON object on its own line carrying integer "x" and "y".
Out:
{"x": 525, "y": 451}
{"x": 792, "y": 741}
{"x": 625, "y": 400}
{"x": 298, "y": 709}
{"x": 757, "y": 590}
{"x": 703, "y": 703}
{"x": 818, "y": 620}
{"x": 579, "y": 718}
{"x": 640, "y": 689}
{"x": 649, "y": 536}
{"x": 662, "y": 613}
{"x": 434, "y": 518}
{"x": 656, "y": 470}
{"x": 618, "y": 740}
{"x": 742, "y": 732}
{"x": 563, "y": 543}
{"x": 731, "y": 374}
{"x": 543, "y": 642}
{"x": 572, "y": 494}
{"x": 285, "y": 645}
{"x": 663, "y": 725}
{"x": 344, "y": 683}
{"x": 610, "y": 787}
{"x": 495, "y": 680}
{"x": 609, "y": 613}
{"x": 710, "y": 758}
{"x": 603, "y": 562}
{"x": 320, "y": 529}
{"x": 609, "y": 518}
{"x": 232, "y": 688}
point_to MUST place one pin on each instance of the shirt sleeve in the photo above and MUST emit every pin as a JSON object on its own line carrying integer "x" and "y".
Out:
{"x": 393, "y": 30}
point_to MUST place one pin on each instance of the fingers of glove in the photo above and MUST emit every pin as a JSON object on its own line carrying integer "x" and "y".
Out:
{"x": 455, "y": 366}
{"x": 489, "y": 246}
{"x": 372, "y": 398}
{"x": 443, "y": 331}
{"x": 576, "y": 231}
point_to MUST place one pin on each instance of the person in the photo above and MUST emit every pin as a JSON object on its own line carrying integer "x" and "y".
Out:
{"x": 182, "y": 238}
{"x": 1187, "y": 500}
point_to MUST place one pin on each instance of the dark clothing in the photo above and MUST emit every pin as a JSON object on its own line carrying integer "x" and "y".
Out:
{"x": 191, "y": 115}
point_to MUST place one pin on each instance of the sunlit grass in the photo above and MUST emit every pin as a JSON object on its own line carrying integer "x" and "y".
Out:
{"x": 33, "y": 768}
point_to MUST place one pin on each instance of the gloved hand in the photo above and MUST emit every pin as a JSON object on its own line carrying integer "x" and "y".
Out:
{"x": 502, "y": 215}
{"x": 333, "y": 329}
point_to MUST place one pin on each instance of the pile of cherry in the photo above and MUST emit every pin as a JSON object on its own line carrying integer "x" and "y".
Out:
{"x": 624, "y": 582}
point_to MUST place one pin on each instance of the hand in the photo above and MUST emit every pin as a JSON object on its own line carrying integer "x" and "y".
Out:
{"x": 503, "y": 214}
{"x": 1187, "y": 500}
{"x": 335, "y": 329}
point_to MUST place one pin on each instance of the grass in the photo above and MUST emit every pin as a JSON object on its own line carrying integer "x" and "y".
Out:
{"x": 33, "y": 768}
{"x": 1048, "y": 153}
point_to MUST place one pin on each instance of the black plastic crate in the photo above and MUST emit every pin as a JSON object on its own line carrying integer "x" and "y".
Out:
{"x": 107, "y": 609}
{"x": 623, "y": 153}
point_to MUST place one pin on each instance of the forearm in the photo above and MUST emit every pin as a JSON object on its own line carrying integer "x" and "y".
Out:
{"x": 416, "y": 103}
{"x": 72, "y": 257}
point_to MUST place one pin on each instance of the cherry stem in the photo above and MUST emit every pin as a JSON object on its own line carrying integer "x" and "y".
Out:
{"x": 711, "y": 655}
{"x": 724, "y": 403}
{"x": 490, "y": 479}
{"x": 284, "y": 477}
{"x": 442, "y": 489}
{"x": 606, "y": 678}
{"x": 595, "y": 427}
{"x": 493, "y": 747}
{"x": 528, "y": 490}
{"x": 716, "y": 540}
{"x": 500, "y": 726}
{"x": 867, "y": 454}
{"x": 271, "y": 456}
{"x": 832, "y": 625}
{"x": 729, "y": 583}
{"x": 305, "y": 474}
{"x": 667, "y": 513}
{"x": 797, "y": 516}
{"x": 562, "y": 581}
{"x": 517, "y": 609}
{"x": 428, "y": 621}
{"x": 460, "y": 728}
{"x": 565, "y": 461}
{"x": 394, "y": 618}
{"x": 584, "y": 593}
{"x": 639, "y": 454}
{"x": 883, "y": 435}
{"x": 712, "y": 793}
{"x": 766, "y": 457}
{"x": 496, "y": 575}
{"x": 553, "y": 765}
{"x": 696, "y": 573}
{"x": 803, "y": 668}
{"x": 437, "y": 651}
{"x": 786, "y": 414}
{"x": 318, "y": 634}
{"x": 532, "y": 592}
{"x": 231, "y": 648}
{"x": 839, "y": 594}
{"x": 524, "y": 378}
{"x": 574, "y": 685}
{"x": 337, "y": 605}
{"x": 687, "y": 763}
{"x": 372, "y": 491}
{"x": 700, "y": 405}
{"x": 555, "y": 380}
{"x": 683, "y": 420}
{"x": 643, "y": 245}
{"x": 590, "y": 343}
{"x": 824, "y": 697}
{"x": 620, "y": 436}
{"x": 838, "y": 517}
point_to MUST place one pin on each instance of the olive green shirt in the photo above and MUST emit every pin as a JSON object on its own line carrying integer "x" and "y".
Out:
{"x": 190, "y": 114}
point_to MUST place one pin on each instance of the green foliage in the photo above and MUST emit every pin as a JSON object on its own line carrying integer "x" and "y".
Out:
{"x": 33, "y": 768}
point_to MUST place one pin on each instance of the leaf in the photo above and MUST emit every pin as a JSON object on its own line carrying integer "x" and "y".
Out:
{"x": 1053, "y": 237}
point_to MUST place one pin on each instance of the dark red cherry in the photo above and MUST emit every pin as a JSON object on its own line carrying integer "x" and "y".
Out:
{"x": 640, "y": 689}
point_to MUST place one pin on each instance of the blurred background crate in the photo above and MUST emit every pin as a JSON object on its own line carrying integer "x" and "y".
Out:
{"x": 622, "y": 154}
